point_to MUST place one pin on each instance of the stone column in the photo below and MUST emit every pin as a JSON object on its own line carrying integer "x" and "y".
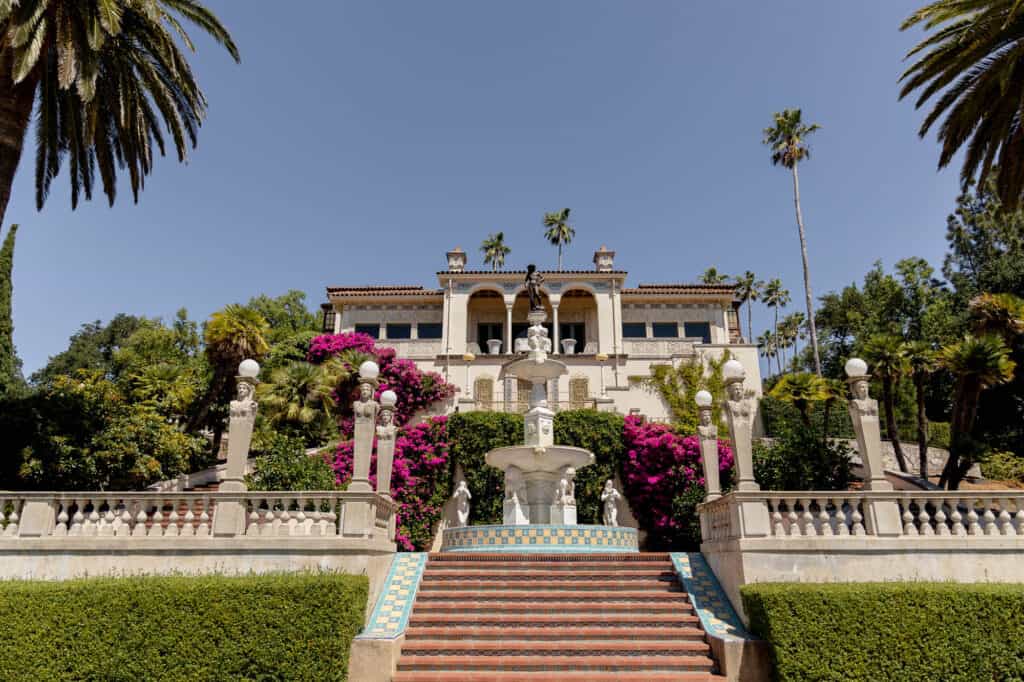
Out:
{"x": 708, "y": 433}
{"x": 555, "y": 333}
{"x": 739, "y": 413}
{"x": 509, "y": 350}
{"x": 230, "y": 515}
{"x": 386, "y": 442}
{"x": 366, "y": 422}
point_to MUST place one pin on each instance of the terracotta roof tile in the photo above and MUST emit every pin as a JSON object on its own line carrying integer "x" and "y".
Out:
{"x": 680, "y": 289}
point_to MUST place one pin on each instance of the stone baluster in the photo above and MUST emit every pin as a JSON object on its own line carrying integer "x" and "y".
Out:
{"x": 204, "y": 518}
{"x": 973, "y": 527}
{"x": 92, "y": 523}
{"x": 1019, "y": 516}
{"x": 856, "y": 518}
{"x": 941, "y": 527}
{"x": 139, "y": 529}
{"x": 335, "y": 510}
{"x": 908, "y": 519}
{"x": 230, "y": 516}
{"x": 11, "y": 520}
{"x": 173, "y": 520}
{"x": 807, "y": 518}
{"x": 956, "y": 518}
{"x": 793, "y": 518}
{"x": 77, "y": 517}
{"x": 124, "y": 521}
{"x": 1005, "y": 519}
{"x": 842, "y": 522}
{"x": 109, "y": 517}
{"x": 253, "y": 526}
{"x": 61, "y": 529}
{"x": 824, "y": 518}
{"x": 156, "y": 528}
{"x": 778, "y": 529}
{"x": 989, "y": 517}
{"x": 923, "y": 518}
{"x": 188, "y": 519}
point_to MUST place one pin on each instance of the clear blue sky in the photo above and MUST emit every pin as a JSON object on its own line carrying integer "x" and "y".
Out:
{"x": 357, "y": 142}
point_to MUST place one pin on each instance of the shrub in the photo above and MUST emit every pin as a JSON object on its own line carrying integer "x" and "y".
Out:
{"x": 664, "y": 481}
{"x": 1004, "y": 466}
{"x": 799, "y": 460}
{"x": 282, "y": 627}
{"x": 938, "y": 435}
{"x": 890, "y": 631}
{"x": 286, "y": 466}
{"x": 471, "y": 435}
{"x": 778, "y": 417}
{"x": 601, "y": 433}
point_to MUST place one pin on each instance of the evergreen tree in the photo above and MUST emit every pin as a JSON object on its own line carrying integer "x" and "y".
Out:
{"x": 8, "y": 359}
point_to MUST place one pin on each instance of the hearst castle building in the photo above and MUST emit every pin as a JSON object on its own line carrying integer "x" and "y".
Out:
{"x": 608, "y": 334}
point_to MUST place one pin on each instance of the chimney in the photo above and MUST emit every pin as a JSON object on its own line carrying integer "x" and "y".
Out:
{"x": 604, "y": 259}
{"x": 456, "y": 260}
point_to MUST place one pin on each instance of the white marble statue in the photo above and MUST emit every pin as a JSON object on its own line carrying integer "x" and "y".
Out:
{"x": 708, "y": 433}
{"x": 365, "y": 410}
{"x": 386, "y": 432}
{"x": 566, "y": 491}
{"x": 462, "y": 497}
{"x": 515, "y": 485}
{"x": 739, "y": 413}
{"x": 610, "y": 497}
{"x": 864, "y": 415}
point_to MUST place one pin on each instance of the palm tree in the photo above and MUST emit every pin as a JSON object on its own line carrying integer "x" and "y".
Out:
{"x": 494, "y": 250}
{"x": 921, "y": 359}
{"x": 559, "y": 231}
{"x": 887, "y": 356}
{"x": 970, "y": 63}
{"x": 776, "y": 296}
{"x": 748, "y": 289}
{"x": 766, "y": 342}
{"x": 231, "y": 335}
{"x": 713, "y": 276}
{"x": 794, "y": 326}
{"x": 294, "y": 394}
{"x": 787, "y": 141}
{"x": 109, "y": 77}
{"x": 1001, "y": 314}
{"x": 977, "y": 363}
{"x": 801, "y": 390}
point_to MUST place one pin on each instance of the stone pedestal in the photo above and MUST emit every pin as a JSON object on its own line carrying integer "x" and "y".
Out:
{"x": 358, "y": 519}
{"x": 513, "y": 514}
{"x": 562, "y": 515}
{"x": 229, "y": 517}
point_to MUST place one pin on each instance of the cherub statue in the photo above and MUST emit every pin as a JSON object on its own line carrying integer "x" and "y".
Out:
{"x": 610, "y": 497}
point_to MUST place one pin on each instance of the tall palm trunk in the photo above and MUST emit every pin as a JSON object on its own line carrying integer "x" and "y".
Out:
{"x": 559, "y": 256}
{"x": 889, "y": 399}
{"x": 922, "y": 425}
{"x": 15, "y": 111}
{"x": 778, "y": 346}
{"x": 807, "y": 271}
{"x": 750, "y": 319}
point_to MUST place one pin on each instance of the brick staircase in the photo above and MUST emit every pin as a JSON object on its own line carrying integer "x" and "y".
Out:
{"x": 556, "y": 618}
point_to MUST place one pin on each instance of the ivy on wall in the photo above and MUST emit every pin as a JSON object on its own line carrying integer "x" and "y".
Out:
{"x": 677, "y": 385}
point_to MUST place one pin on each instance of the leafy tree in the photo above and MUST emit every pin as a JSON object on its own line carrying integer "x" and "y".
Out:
{"x": 798, "y": 460}
{"x": 559, "y": 232}
{"x": 92, "y": 347}
{"x": 109, "y": 75}
{"x": 9, "y": 373}
{"x": 232, "y": 334}
{"x": 713, "y": 276}
{"x": 776, "y": 296}
{"x": 887, "y": 357}
{"x": 297, "y": 399}
{"x": 748, "y": 290}
{"x": 495, "y": 250}
{"x": 787, "y": 139}
{"x": 978, "y": 363}
{"x": 801, "y": 390}
{"x": 286, "y": 466}
{"x": 969, "y": 64}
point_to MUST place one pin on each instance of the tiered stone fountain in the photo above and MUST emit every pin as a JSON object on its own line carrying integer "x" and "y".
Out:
{"x": 540, "y": 503}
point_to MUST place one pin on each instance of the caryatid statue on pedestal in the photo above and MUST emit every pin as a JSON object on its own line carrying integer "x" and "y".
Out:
{"x": 610, "y": 498}
{"x": 740, "y": 412}
{"x": 386, "y": 441}
{"x": 864, "y": 415}
{"x": 366, "y": 424}
{"x": 708, "y": 433}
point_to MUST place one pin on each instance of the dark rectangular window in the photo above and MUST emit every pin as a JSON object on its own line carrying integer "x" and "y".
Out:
{"x": 487, "y": 331}
{"x": 399, "y": 331}
{"x": 701, "y": 330}
{"x": 328, "y": 322}
{"x": 371, "y": 329}
{"x": 634, "y": 330}
{"x": 428, "y": 330}
{"x": 665, "y": 330}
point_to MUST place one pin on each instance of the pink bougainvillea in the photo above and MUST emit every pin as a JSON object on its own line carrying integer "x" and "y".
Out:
{"x": 419, "y": 479}
{"x": 326, "y": 345}
{"x": 661, "y": 470}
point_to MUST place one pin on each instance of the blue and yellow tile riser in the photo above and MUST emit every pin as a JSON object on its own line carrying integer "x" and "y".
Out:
{"x": 391, "y": 612}
{"x": 537, "y": 538}
{"x": 716, "y": 613}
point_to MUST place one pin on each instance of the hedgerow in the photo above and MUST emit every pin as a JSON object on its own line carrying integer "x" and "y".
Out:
{"x": 280, "y": 627}
{"x": 890, "y": 631}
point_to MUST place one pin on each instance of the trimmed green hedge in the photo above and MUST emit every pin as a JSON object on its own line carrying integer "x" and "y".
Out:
{"x": 280, "y": 627}
{"x": 890, "y": 631}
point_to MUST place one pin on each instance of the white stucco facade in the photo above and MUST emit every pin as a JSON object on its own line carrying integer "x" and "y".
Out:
{"x": 474, "y": 322}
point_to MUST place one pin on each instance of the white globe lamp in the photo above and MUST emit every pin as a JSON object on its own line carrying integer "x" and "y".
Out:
{"x": 703, "y": 399}
{"x": 248, "y": 369}
{"x": 855, "y": 367}
{"x": 733, "y": 370}
{"x": 388, "y": 399}
{"x": 369, "y": 370}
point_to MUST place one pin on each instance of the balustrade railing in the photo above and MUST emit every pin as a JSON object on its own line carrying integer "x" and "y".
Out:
{"x": 171, "y": 514}
{"x": 926, "y": 514}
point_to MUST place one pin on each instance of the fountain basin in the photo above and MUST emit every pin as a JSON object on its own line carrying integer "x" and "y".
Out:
{"x": 547, "y": 459}
{"x": 550, "y": 539}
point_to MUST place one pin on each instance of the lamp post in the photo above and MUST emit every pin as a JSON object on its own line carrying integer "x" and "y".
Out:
{"x": 864, "y": 415}
{"x": 602, "y": 358}
{"x": 386, "y": 442}
{"x": 708, "y": 433}
{"x": 468, "y": 358}
{"x": 229, "y": 516}
{"x": 365, "y": 409}
{"x": 739, "y": 412}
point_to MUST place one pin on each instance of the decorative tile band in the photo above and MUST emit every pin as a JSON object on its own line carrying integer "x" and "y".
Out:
{"x": 537, "y": 538}
{"x": 709, "y": 601}
{"x": 391, "y": 612}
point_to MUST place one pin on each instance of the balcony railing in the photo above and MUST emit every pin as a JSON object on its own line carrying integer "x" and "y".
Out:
{"x": 522, "y": 406}
{"x": 660, "y": 348}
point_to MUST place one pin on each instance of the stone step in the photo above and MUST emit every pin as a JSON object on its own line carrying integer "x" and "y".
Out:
{"x": 495, "y": 595}
{"x": 552, "y": 566}
{"x": 554, "y": 661}
{"x": 555, "y": 648}
{"x": 554, "y": 632}
{"x": 454, "y": 608}
{"x": 560, "y": 676}
{"x": 557, "y": 557}
{"x": 495, "y": 573}
{"x": 534, "y": 619}
{"x": 529, "y": 586}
